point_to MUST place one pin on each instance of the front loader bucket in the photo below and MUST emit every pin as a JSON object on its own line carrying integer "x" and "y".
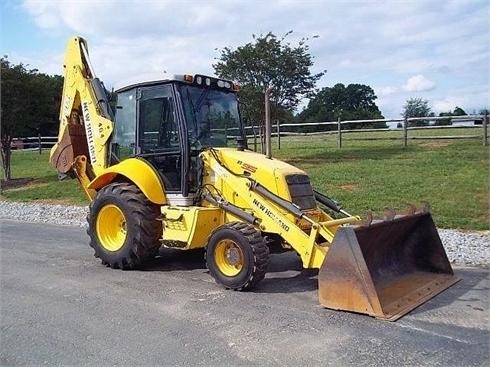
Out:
{"x": 385, "y": 269}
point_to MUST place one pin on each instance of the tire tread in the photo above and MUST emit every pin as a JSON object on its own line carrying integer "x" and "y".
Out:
{"x": 145, "y": 242}
{"x": 260, "y": 252}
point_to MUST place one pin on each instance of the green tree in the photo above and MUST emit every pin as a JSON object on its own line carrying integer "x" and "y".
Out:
{"x": 30, "y": 106}
{"x": 458, "y": 111}
{"x": 354, "y": 102}
{"x": 417, "y": 107}
{"x": 444, "y": 122}
{"x": 483, "y": 112}
{"x": 269, "y": 61}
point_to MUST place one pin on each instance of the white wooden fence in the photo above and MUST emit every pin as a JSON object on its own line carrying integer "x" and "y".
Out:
{"x": 33, "y": 143}
{"x": 254, "y": 132}
{"x": 405, "y": 128}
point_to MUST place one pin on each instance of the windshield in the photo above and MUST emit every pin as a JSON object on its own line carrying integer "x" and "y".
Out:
{"x": 212, "y": 116}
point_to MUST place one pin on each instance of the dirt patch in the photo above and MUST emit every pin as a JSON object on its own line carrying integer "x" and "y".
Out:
{"x": 350, "y": 187}
{"x": 436, "y": 144}
{"x": 481, "y": 218}
{"x": 485, "y": 199}
{"x": 21, "y": 184}
{"x": 15, "y": 183}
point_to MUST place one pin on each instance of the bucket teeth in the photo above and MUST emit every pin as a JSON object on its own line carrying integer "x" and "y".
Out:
{"x": 425, "y": 207}
{"x": 389, "y": 214}
{"x": 411, "y": 210}
{"x": 366, "y": 222}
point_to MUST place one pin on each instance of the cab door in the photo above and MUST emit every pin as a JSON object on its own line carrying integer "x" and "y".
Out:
{"x": 159, "y": 134}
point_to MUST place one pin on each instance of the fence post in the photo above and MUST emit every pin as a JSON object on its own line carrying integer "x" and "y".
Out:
{"x": 278, "y": 135}
{"x": 261, "y": 138}
{"x": 339, "y": 130}
{"x": 39, "y": 142}
{"x": 255, "y": 136}
{"x": 485, "y": 129}
{"x": 405, "y": 131}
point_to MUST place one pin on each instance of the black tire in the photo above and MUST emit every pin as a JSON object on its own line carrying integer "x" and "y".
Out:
{"x": 249, "y": 247}
{"x": 128, "y": 223}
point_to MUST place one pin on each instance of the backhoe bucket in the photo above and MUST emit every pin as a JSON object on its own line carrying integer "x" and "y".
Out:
{"x": 72, "y": 144}
{"x": 385, "y": 269}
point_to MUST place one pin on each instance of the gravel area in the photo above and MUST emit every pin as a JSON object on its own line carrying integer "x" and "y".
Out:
{"x": 468, "y": 248}
{"x": 45, "y": 213}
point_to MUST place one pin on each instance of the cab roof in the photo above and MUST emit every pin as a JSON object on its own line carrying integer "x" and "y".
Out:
{"x": 197, "y": 80}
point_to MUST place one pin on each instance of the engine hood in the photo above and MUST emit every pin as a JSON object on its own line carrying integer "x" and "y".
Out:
{"x": 255, "y": 165}
{"x": 283, "y": 179}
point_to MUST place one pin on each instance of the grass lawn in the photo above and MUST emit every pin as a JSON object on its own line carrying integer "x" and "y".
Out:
{"x": 34, "y": 179}
{"x": 452, "y": 175}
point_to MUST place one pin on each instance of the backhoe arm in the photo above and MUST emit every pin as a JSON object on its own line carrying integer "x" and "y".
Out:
{"x": 85, "y": 119}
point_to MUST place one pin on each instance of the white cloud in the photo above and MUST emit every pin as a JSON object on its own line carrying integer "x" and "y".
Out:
{"x": 419, "y": 83}
{"x": 49, "y": 63}
{"x": 418, "y": 42}
{"x": 472, "y": 99}
{"x": 386, "y": 91}
{"x": 447, "y": 104}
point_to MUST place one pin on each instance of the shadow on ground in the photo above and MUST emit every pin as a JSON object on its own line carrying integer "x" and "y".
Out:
{"x": 170, "y": 260}
{"x": 469, "y": 281}
{"x": 284, "y": 273}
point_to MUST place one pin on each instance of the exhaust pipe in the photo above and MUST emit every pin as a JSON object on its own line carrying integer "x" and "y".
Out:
{"x": 268, "y": 128}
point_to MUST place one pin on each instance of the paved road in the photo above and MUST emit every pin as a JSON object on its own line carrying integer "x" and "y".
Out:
{"x": 59, "y": 306}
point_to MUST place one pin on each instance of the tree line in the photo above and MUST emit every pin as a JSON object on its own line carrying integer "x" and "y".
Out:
{"x": 30, "y": 105}
{"x": 418, "y": 107}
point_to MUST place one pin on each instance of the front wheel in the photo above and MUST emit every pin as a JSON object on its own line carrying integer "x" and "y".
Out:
{"x": 237, "y": 256}
{"x": 123, "y": 226}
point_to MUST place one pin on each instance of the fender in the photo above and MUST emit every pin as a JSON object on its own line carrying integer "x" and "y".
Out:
{"x": 138, "y": 171}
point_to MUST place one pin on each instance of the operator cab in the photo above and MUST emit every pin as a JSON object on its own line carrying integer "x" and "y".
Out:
{"x": 169, "y": 122}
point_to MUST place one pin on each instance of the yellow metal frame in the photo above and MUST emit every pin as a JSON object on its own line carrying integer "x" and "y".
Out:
{"x": 191, "y": 225}
{"x": 273, "y": 218}
{"x": 78, "y": 94}
{"x": 138, "y": 171}
{"x": 80, "y": 168}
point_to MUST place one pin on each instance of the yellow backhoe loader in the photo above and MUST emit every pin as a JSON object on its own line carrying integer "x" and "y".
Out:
{"x": 172, "y": 168}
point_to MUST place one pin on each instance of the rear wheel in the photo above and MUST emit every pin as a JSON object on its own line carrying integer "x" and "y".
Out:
{"x": 237, "y": 256}
{"x": 123, "y": 226}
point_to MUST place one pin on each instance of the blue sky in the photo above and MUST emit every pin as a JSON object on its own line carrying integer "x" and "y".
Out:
{"x": 436, "y": 50}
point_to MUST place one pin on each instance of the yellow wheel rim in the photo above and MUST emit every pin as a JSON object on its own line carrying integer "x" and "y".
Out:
{"x": 111, "y": 227}
{"x": 229, "y": 258}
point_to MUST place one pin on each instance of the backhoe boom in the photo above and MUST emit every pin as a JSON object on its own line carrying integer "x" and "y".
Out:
{"x": 85, "y": 118}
